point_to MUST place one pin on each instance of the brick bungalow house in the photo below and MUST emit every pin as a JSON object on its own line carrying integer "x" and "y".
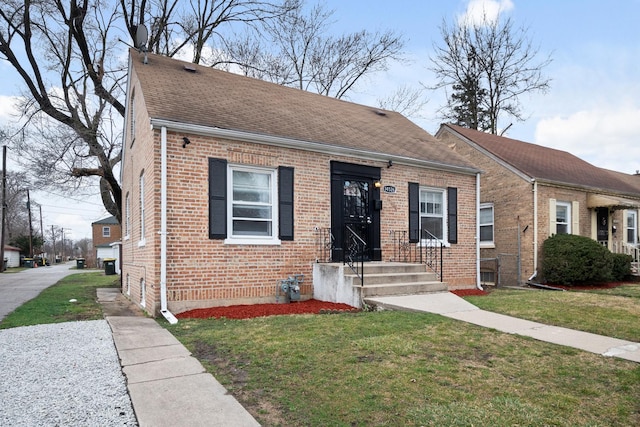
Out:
{"x": 529, "y": 192}
{"x": 107, "y": 234}
{"x": 232, "y": 184}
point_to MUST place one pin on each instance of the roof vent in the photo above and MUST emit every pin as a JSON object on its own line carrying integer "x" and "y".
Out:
{"x": 380, "y": 113}
{"x": 190, "y": 68}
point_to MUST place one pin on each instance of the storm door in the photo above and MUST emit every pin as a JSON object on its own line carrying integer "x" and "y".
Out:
{"x": 355, "y": 209}
{"x": 602, "y": 217}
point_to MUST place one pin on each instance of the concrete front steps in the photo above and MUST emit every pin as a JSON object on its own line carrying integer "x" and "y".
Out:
{"x": 338, "y": 283}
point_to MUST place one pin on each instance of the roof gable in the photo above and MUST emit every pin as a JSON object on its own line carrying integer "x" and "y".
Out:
{"x": 547, "y": 164}
{"x": 109, "y": 220}
{"x": 183, "y": 92}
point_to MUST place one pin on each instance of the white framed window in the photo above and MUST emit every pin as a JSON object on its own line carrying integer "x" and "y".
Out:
{"x": 433, "y": 215}
{"x": 127, "y": 217}
{"x": 631, "y": 219}
{"x": 486, "y": 224}
{"x": 142, "y": 242}
{"x": 563, "y": 217}
{"x": 106, "y": 231}
{"x": 252, "y": 209}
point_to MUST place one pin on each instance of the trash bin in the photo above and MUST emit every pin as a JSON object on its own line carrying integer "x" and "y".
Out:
{"x": 28, "y": 262}
{"x": 109, "y": 266}
{"x": 80, "y": 263}
{"x": 6, "y": 261}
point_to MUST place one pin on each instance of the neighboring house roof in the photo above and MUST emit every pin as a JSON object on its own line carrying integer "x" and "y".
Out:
{"x": 181, "y": 92}
{"x": 107, "y": 221}
{"x": 11, "y": 248}
{"x": 546, "y": 164}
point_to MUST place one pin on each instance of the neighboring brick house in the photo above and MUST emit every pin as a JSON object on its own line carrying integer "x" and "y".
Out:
{"x": 107, "y": 234}
{"x": 228, "y": 183}
{"x": 530, "y": 192}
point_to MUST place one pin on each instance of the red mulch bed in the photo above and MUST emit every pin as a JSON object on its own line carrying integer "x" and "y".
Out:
{"x": 469, "y": 292}
{"x": 311, "y": 306}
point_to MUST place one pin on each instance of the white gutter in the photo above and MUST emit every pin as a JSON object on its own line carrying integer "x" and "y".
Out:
{"x": 478, "y": 284}
{"x": 306, "y": 145}
{"x": 535, "y": 228}
{"x": 163, "y": 228}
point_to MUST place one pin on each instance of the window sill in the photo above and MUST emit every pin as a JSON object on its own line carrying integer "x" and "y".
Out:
{"x": 127, "y": 237}
{"x": 250, "y": 241}
{"x": 142, "y": 243}
{"x": 432, "y": 244}
{"x": 487, "y": 245}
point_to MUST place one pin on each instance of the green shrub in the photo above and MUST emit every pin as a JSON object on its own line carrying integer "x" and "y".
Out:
{"x": 620, "y": 266}
{"x": 569, "y": 259}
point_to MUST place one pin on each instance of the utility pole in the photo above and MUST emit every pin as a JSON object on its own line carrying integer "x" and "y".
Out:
{"x": 30, "y": 226}
{"x": 53, "y": 244}
{"x": 4, "y": 205}
{"x": 42, "y": 236}
{"x": 62, "y": 232}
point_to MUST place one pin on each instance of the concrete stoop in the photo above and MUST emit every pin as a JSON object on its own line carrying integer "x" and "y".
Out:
{"x": 387, "y": 279}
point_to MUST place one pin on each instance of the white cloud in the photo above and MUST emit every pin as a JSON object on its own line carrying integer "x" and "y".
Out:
{"x": 482, "y": 11}
{"x": 8, "y": 112}
{"x": 607, "y": 138}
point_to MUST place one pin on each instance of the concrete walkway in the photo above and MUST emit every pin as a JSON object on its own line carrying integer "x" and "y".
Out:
{"x": 450, "y": 305}
{"x": 168, "y": 387}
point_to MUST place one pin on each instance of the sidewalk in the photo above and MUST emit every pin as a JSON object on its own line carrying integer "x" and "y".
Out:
{"x": 168, "y": 387}
{"x": 450, "y": 305}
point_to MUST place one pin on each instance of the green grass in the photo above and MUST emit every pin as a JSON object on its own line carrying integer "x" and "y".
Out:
{"x": 612, "y": 312}
{"x": 53, "y": 306}
{"x": 409, "y": 369}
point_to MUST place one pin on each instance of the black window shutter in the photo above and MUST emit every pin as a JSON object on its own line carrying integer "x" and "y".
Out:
{"x": 414, "y": 212}
{"x": 285, "y": 202}
{"x": 217, "y": 198}
{"x": 452, "y": 214}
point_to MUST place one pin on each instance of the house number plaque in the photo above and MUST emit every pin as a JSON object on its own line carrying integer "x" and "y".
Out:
{"x": 389, "y": 189}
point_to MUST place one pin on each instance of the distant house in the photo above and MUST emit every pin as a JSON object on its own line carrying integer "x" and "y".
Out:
{"x": 232, "y": 184}
{"x": 529, "y": 192}
{"x": 107, "y": 236}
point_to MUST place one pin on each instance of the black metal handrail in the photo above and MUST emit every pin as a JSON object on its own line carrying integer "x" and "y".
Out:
{"x": 324, "y": 244}
{"x": 354, "y": 252}
{"x": 428, "y": 250}
{"x": 433, "y": 248}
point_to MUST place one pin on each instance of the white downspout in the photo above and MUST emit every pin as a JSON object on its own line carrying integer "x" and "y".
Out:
{"x": 535, "y": 229}
{"x": 163, "y": 228}
{"x": 478, "y": 281}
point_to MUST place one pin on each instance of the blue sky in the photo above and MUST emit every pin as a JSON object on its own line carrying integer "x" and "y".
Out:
{"x": 592, "y": 109}
{"x": 593, "y": 106}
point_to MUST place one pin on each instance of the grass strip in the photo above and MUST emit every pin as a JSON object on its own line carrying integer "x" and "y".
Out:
{"x": 53, "y": 304}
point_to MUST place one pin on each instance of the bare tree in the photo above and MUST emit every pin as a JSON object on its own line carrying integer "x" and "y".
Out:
{"x": 297, "y": 50}
{"x": 69, "y": 59}
{"x": 489, "y": 66}
{"x": 405, "y": 100}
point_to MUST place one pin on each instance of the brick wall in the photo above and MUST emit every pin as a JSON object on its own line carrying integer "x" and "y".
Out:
{"x": 99, "y": 239}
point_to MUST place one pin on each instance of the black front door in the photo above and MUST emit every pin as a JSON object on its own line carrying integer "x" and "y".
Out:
{"x": 602, "y": 216}
{"x": 355, "y": 209}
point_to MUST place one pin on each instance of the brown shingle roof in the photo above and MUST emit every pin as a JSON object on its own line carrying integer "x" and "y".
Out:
{"x": 214, "y": 98}
{"x": 547, "y": 164}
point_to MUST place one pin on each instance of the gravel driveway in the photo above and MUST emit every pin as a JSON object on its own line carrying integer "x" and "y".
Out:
{"x": 63, "y": 374}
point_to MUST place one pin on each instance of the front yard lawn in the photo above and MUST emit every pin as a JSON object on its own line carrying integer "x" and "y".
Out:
{"x": 613, "y": 312}
{"x": 412, "y": 369}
